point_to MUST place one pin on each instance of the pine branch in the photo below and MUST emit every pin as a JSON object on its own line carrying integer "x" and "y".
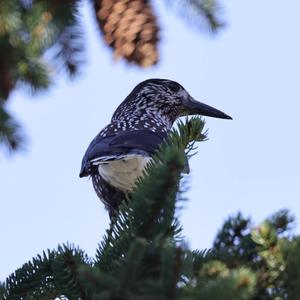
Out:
{"x": 238, "y": 284}
{"x": 68, "y": 47}
{"x": 34, "y": 279}
{"x": 2, "y": 289}
{"x": 202, "y": 14}
{"x": 36, "y": 38}
{"x": 282, "y": 221}
{"x": 129, "y": 225}
{"x": 201, "y": 257}
{"x": 11, "y": 135}
{"x": 234, "y": 242}
{"x": 171, "y": 270}
{"x": 101, "y": 284}
{"x": 150, "y": 212}
{"x": 132, "y": 265}
{"x": 49, "y": 276}
{"x": 29, "y": 29}
{"x": 291, "y": 252}
{"x": 33, "y": 74}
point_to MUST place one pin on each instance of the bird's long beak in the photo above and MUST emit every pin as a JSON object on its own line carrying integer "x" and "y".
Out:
{"x": 197, "y": 108}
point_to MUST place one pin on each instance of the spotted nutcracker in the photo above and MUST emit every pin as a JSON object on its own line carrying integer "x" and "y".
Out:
{"x": 117, "y": 156}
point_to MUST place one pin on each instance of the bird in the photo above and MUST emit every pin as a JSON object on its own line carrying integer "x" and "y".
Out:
{"x": 118, "y": 155}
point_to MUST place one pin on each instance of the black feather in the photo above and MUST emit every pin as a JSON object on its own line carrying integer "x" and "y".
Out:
{"x": 143, "y": 142}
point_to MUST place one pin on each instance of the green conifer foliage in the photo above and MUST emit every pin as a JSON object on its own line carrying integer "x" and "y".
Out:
{"x": 37, "y": 38}
{"x": 27, "y": 30}
{"x": 143, "y": 255}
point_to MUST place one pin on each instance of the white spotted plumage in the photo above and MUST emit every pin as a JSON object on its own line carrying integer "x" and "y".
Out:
{"x": 118, "y": 155}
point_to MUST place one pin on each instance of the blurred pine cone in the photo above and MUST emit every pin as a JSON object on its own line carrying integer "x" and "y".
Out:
{"x": 130, "y": 28}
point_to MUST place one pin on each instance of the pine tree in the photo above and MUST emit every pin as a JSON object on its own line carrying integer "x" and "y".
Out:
{"x": 39, "y": 37}
{"x": 143, "y": 254}
{"x": 30, "y": 31}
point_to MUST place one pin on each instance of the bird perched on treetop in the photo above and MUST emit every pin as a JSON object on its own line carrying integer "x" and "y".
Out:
{"x": 117, "y": 156}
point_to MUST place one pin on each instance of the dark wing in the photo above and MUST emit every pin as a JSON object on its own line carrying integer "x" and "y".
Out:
{"x": 116, "y": 146}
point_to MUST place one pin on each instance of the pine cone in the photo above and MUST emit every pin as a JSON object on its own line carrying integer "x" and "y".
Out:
{"x": 130, "y": 28}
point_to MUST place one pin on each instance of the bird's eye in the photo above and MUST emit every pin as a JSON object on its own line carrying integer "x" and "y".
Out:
{"x": 174, "y": 87}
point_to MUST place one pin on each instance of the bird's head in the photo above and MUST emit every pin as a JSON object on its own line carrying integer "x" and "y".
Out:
{"x": 165, "y": 98}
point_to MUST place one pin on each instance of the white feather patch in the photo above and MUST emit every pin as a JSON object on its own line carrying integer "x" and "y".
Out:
{"x": 123, "y": 173}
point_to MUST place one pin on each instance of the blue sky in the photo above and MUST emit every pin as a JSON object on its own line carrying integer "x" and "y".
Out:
{"x": 251, "y": 164}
